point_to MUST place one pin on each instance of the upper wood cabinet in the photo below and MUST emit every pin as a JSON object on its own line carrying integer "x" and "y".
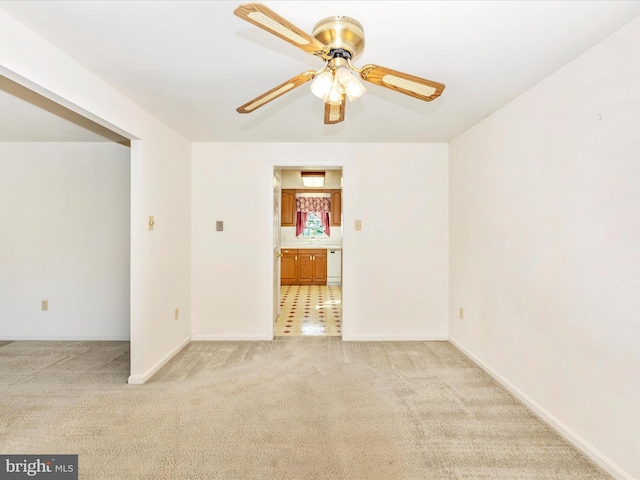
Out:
{"x": 336, "y": 208}
{"x": 288, "y": 208}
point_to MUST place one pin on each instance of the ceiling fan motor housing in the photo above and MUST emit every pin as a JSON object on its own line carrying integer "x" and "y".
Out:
{"x": 341, "y": 32}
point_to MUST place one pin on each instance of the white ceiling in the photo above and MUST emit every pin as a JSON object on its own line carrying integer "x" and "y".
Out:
{"x": 192, "y": 63}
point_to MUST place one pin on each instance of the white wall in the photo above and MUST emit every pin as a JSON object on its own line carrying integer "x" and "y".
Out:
{"x": 64, "y": 237}
{"x": 394, "y": 286}
{"x": 545, "y": 256}
{"x": 160, "y": 186}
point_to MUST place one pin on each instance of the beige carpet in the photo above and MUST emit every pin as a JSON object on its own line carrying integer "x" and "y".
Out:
{"x": 295, "y": 408}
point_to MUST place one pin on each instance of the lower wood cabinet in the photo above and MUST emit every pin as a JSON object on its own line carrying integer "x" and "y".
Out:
{"x": 289, "y": 267}
{"x": 303, "y": 267}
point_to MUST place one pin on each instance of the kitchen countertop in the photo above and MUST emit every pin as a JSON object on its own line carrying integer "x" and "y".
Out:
{"x": 304, "y": 246}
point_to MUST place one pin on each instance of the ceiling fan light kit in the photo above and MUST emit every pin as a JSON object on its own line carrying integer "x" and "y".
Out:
{"x": 335, "y": 81}
{"x": 337, "y": 40}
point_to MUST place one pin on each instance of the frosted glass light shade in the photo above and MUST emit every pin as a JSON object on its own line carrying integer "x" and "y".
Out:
{"x": 352, "y": 86}
{"x": 334, "y": 97}
{"x": 330, "y": 85}
{"x": 322, "y": 84}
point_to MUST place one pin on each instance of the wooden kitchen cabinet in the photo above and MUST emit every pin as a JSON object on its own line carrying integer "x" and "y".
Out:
{"x": 336, "y": 208}
{"x": 319, "y": 267}
{"x": 288, "y": 208}
{"x": 303, "y": 267}
{"x": 312, "y": 267}
{"x": 289, "y": 267}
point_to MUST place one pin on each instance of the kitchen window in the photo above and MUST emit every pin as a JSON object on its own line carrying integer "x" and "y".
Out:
{"x": 313, "y": 227}
{"x": 312, "y": 214}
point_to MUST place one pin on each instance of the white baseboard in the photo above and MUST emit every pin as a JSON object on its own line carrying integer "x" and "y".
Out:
{"x": 395, "y": 338}
{"x": 140, "y": 379}
{"x": 552, "y": 421}
{"x": 65, "y": 338}
{"x": 205, "y": 337}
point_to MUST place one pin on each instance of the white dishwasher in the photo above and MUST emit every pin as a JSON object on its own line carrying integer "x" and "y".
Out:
{"x": 334, "y": 266}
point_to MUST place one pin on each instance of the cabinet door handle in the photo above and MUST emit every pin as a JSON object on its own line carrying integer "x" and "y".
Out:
{"x": 296, "y": 257}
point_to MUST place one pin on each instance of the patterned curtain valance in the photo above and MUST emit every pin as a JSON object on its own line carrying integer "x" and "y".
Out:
{"x": 313, "y": 204}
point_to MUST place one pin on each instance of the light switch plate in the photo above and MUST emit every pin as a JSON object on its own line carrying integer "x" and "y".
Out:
{"x": 358, "y": 225}
{"x": 152, "y": 222}
{"x": 219, "y": 225}
{"x": 45, "y": 305}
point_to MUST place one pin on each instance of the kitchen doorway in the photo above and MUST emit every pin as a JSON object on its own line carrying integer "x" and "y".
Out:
{"x": 308, "y": 252}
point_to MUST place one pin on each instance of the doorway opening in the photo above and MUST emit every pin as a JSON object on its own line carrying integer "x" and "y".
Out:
{"x": 308, "y": 251}
{"x": 68, "y": 221}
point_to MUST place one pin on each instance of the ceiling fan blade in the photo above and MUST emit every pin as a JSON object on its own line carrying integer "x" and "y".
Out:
{"x": 334, "y": 113}
{"x": 276, "y": 92}
{"x": 416, "y": 87}
{"x": 268, "y": 20}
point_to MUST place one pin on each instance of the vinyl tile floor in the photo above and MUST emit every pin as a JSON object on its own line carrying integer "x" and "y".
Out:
{"x": 309, "y": 310}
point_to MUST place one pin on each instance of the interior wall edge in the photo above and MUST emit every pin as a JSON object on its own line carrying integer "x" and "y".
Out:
{"x": 139, "y": 379}
{"x": 49, "y": 95}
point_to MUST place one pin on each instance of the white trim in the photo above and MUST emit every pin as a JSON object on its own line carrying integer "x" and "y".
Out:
{"x": 65, "y": 338}
{"x": 395, "y": 338}
{"x": 206, "y": 337}
{"x": 548, "y": 418}
{"x": 49, "y": 95}
{"x": 136, "y": 324}
{"x": 271, "y": 168}
{"x": 140, "y": 379}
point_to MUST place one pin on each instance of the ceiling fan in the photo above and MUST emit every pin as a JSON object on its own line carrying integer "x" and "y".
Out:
{"x": 337, "y": 40}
